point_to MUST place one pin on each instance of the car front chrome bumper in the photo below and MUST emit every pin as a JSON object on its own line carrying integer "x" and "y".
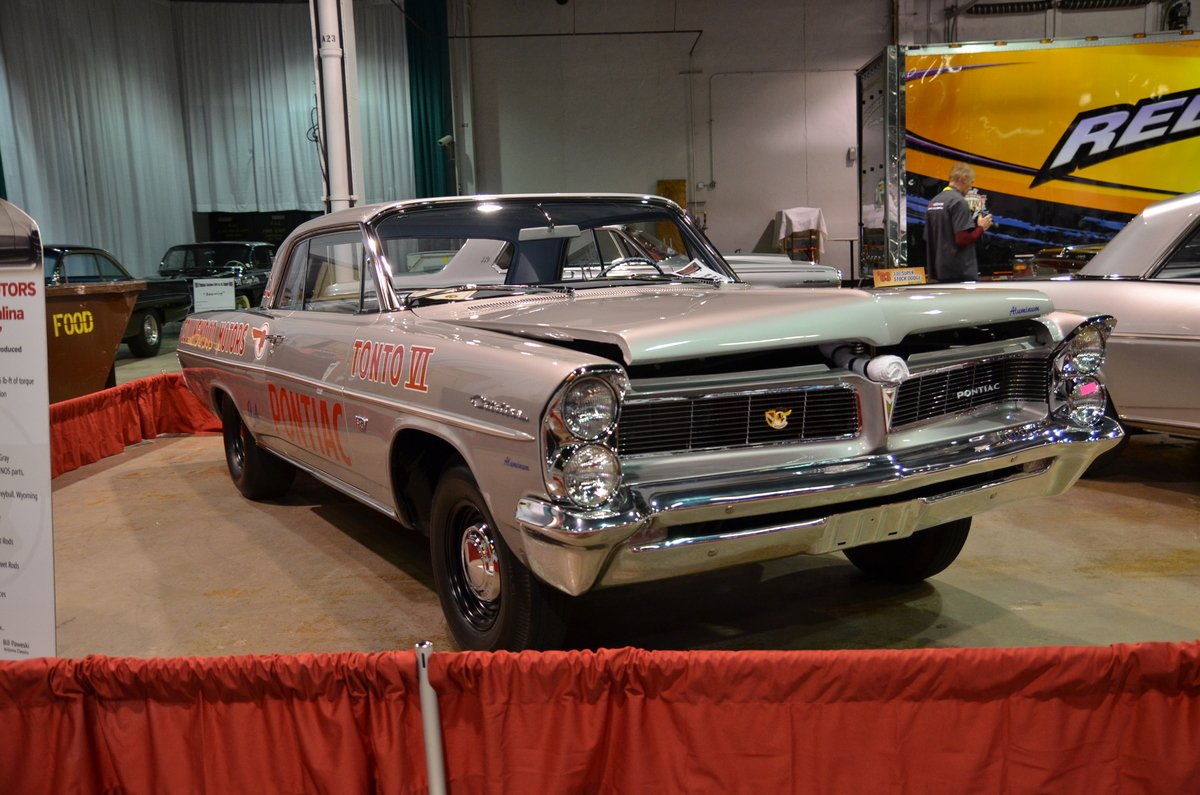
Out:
{"x": 671, "y": 528}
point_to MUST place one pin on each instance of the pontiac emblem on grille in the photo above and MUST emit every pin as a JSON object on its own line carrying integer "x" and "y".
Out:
{"x": 777, "y": 418}
{"x": 889, "y": 403}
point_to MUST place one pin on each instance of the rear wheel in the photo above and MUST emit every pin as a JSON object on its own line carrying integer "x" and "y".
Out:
{"x": 148, "y": 339}
{"x": 258, "y": 474}
{"x": 918, "y": 557}
{"x": 490, "y": 600}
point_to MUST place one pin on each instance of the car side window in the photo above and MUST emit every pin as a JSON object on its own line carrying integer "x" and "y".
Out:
{"x": 109, "y": 270}
{"x": 326, "y": 274}
{"x": 291, "y": 290}
{"x": 81, "y": 268}
{"x": 262, "y": 257}
{"x": 1184, "y": 262}
{"x": 418, "y": 262}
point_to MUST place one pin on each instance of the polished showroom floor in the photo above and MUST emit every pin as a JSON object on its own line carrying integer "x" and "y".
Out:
{"x": 156, "y": 554}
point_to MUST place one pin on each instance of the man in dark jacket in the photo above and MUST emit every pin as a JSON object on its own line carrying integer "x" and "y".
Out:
{"x": 952, "y": 229}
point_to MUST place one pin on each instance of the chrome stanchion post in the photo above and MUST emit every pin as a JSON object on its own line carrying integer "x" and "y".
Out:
{"x": 431, "y": 723}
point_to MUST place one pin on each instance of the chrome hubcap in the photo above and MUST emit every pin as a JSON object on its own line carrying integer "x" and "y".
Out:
{"x": 150, "y": 330}
{"x": 480, "y": 564}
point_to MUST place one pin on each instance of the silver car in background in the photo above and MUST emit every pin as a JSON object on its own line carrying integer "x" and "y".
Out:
{"x": 556, "y": 419}
{"x": 1148, "y": 279}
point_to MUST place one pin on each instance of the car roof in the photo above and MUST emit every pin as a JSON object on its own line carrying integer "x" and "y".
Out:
{"x": 61, "y": 247}
{"x": 1143, "y": 242}
{"x": 223, "y": 243}
{"x": 366, "y": 212}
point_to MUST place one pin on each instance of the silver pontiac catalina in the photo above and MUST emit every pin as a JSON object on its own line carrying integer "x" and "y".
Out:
{"x": 480, "y": 370}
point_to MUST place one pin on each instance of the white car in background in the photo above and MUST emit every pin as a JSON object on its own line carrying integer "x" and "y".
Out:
{"x": 778, "y": 270}
{"x": 643, "y": 250}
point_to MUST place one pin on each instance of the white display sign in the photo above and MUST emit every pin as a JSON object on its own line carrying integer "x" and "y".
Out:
{"x": 26, "y": 518}
{"x": 212, "y": 294}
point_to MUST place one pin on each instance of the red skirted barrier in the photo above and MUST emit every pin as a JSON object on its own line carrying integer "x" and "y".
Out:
{"x": 1121, "y": 719}
{"x": 1083, "y": 720}
{"x": 86, "y": 429}
{"x": 338, "y": 723}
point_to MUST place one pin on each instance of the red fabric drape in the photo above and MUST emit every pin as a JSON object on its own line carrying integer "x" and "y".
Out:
{"x": 86, "y": 429}
{"x": 1063, "y": 720}
{"x": 338, "y": 723}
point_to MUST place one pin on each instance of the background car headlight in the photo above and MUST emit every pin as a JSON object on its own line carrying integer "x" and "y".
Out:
{"x": 1083, "y": 354}
{"x": 589, "y": 408}
{"x": 1086, "y": 401}
{"x": 591, "y": 474}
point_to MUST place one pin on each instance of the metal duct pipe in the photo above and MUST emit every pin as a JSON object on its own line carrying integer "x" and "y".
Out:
{"x": 1097, "y": 5}
{"x": 1026, "y": 7}
{"x": 1041, "y": 6}
{"x": 333, "y": 46}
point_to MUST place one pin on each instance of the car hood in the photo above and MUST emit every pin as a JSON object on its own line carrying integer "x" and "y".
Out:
{"x": 658, "y": 324}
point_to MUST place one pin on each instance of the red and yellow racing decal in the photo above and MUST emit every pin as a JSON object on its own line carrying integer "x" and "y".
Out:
{"x": 310, "y": 422}
{"x": 386, "y": 363}
{"x": 211, "y": 335}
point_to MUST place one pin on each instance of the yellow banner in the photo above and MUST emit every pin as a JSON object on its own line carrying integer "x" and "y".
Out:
{"x": 1112, "y": 127}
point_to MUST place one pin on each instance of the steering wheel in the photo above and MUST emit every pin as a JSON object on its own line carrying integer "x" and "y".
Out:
{"x": 631, "y": 261}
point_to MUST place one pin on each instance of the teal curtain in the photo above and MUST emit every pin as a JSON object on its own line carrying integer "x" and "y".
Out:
{"x": 429, "y": 92}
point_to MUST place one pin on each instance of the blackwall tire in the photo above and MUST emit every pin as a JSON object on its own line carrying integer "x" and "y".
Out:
{"x": 918, "y": 557}
{"x": 148, "y": 340}
{"x": 490, "y": 600}
{"x": 258, "y": 474}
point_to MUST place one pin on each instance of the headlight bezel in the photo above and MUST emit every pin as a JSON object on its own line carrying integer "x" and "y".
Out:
{"x": 1075, "y": 385}
{"x": 565, "y": 438}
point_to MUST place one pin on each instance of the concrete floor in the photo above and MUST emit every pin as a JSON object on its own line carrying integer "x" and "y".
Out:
{"x": 156, "y": 554}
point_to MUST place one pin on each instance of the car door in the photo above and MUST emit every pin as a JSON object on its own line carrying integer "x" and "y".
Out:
{"x": 1152, "y": 368}
{"x": 307, "y": 340}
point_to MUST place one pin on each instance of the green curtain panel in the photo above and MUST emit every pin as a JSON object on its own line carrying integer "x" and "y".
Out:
{"x": 429, "y": 92}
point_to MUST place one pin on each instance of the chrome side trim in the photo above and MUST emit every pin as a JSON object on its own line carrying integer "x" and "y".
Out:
{"x": 1155, "y": 337}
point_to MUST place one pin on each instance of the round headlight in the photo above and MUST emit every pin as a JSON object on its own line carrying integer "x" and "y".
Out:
{"x": 591, "y": 474}
{"x": 1084, "y": 354}
{"x": 589, "y": 408}
{"x": 1086, "y": 401}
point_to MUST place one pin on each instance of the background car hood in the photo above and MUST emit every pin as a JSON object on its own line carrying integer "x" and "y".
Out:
{"x": 656, "y": 324}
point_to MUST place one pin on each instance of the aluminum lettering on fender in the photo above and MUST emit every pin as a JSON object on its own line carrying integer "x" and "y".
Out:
{"x": 223, "y": 336}
{"x": 384, "y": 363}
{"x": 308, "y": 422}
{"x": 498, "y": 407}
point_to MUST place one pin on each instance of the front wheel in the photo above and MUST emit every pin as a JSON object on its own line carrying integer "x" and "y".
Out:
{"x": 258, "y": 474}
{"x": 490, "y": 600}
{"x": 918, "y": 557}
{"x": 148, "y": 340}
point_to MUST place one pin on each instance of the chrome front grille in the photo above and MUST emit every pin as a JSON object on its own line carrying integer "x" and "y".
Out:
{"x": 970, "y": 386}
{"x": 708, "y": 422}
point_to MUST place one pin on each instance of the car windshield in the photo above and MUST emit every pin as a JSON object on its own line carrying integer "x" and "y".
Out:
{"x": 552, "y": 242}
{"x": 203, "y": 257}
